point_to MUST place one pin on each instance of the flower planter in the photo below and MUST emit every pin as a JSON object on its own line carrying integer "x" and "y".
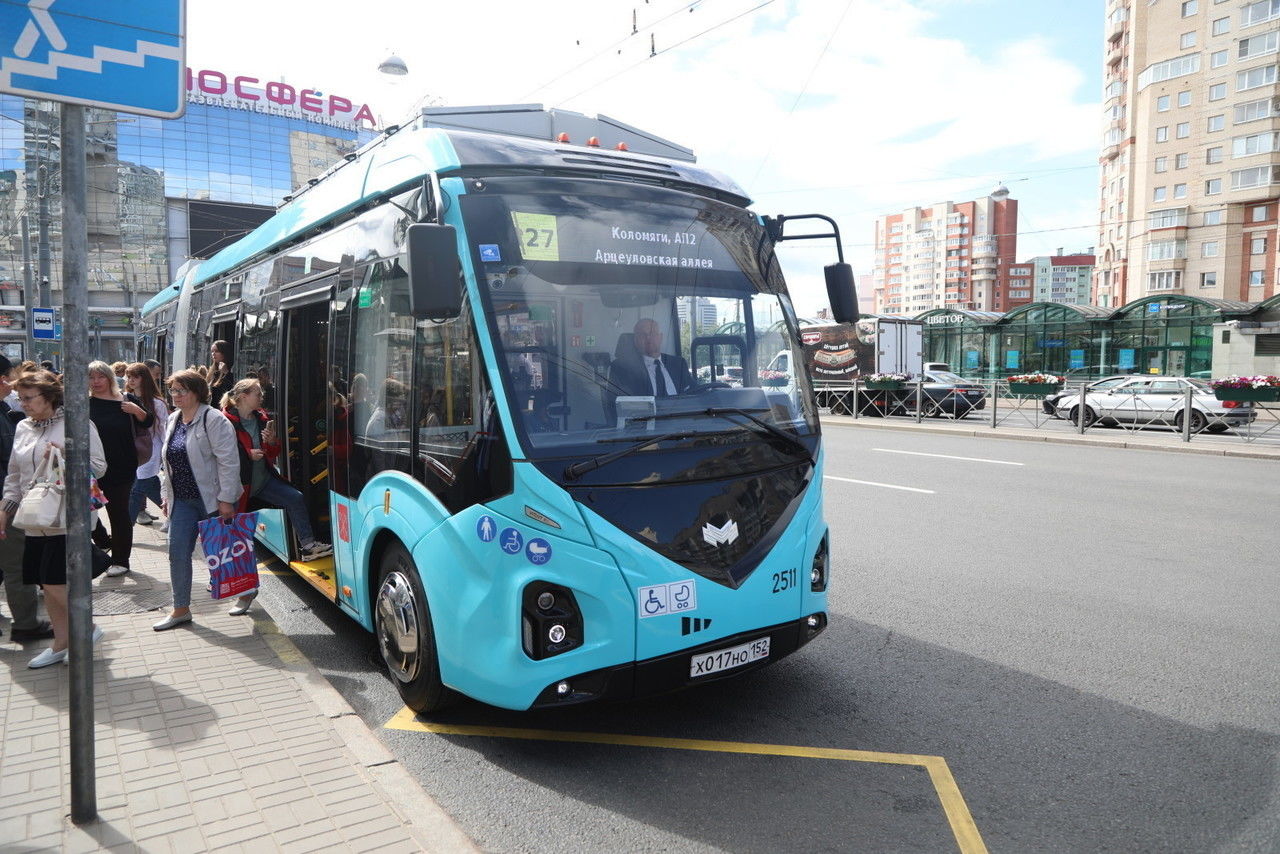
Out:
{"x": 1036, "y": 389}
{"x": 1267, "y": 394}
{"x": 883, "y": 385}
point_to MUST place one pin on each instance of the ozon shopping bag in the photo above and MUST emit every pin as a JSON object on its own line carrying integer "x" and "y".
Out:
{"x": 228, "y": 550}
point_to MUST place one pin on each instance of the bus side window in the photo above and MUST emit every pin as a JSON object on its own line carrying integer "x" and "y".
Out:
{"x": 382, "y": 360}
{"x": 461, "y": 458}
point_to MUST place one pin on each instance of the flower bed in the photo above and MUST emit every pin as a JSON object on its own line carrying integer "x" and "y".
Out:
{"x": 1034, "y": 384}
{"x": 1256, "y": 389}
{"x": 885, "y": 382}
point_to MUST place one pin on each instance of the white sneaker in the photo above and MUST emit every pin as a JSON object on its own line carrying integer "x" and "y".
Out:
{"x": 164, "y": 526}
{"x": 115, "y": 570}
{"x": 144, "y": 518}
{"x": 97, "y": 636}
{"x": 47, "y": 657}
{"x": 315, "y": 551}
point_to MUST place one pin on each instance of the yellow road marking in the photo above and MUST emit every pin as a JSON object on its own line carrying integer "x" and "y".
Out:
{"x": 962, "y": 825}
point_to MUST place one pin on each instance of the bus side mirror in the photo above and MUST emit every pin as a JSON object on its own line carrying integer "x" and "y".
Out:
{"x": 842, "y": 293}
{"x": 435, "y": 283}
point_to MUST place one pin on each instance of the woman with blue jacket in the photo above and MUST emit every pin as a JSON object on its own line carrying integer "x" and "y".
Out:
{"x": 200, "y": 477}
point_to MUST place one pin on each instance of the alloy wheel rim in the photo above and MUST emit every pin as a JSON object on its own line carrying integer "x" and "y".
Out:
{"x": 398, "y": 629}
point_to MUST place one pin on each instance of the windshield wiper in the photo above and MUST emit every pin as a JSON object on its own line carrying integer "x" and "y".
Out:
{"x": 577, "y": 470}
{"x": 721, "y": 412}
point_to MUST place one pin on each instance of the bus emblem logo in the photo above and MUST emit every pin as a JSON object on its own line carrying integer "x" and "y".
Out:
{"x": 722, "y": 536}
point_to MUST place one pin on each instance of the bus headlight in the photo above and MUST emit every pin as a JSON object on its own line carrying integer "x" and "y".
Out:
{"x": 551, "y": 623}
{"x": 821, "y": 563}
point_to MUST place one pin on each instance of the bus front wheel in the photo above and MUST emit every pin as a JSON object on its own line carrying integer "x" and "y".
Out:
{"x": 405, "y": 636}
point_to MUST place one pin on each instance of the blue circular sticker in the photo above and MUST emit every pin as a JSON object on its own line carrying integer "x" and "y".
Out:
{"x": 486, "y": 529}
{"x": 511, "y": 541}
{"x": 538, "y": 551}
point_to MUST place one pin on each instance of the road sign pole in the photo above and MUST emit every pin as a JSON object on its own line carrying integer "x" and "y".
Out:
{"x": 75, "y": 289}
{"x": 27, "y": 293}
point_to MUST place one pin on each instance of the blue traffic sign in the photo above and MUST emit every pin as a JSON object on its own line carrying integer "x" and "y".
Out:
{"x": 42, "y": 325}
{"x": 129, "y": 57}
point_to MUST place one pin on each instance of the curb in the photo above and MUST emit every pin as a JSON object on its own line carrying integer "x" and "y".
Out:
{"x": 436, "y": 829}
{"x": 1181, "y": 448}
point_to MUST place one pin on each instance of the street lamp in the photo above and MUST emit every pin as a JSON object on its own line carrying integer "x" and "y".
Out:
{"x": 394, "y": 66}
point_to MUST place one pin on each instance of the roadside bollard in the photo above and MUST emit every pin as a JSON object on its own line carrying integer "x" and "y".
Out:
{"x": 857, "y": 398}
{"x": 1187, "y": 414}
{"x": 919, "y": 398}
{"x": 1081, "y": 409}
{"x": 995, "y": 397}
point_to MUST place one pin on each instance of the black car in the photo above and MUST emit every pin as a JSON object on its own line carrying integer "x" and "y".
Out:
{"x": 941, "y": 394}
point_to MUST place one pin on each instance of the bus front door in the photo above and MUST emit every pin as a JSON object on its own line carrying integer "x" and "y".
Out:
{"x": 302, "y": 422}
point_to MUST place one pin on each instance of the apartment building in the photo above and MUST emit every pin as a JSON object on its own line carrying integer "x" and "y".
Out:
{"x": 1062, "y": 278}
{"x": 955, "y": 255}
{"x": 1190, "y": 174}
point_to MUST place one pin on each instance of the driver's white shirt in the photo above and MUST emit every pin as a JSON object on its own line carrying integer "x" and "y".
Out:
{"x": 648, "y": 369}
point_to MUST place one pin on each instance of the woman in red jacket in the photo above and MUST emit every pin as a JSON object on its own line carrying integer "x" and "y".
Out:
{"x": 259, "y": 448}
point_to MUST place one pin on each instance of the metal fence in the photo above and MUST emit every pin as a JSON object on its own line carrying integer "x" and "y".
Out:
{"x": 1191, "y": 415}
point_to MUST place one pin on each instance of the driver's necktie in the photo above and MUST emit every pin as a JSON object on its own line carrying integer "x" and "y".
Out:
{"x": 659, "y": 381}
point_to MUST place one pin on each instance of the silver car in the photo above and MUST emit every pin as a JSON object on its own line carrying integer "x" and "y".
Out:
{"x": 1156, "y": 400}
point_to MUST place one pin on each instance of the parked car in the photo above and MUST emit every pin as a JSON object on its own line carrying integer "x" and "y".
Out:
{"x": 1156, "y": 400}
{"x": 1050, "y": 402}
{"x": 942, "y": 393}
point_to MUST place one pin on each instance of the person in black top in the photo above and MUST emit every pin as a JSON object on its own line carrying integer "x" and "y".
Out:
{"x": 27, "y": 624}
{"x": 220, "y": 377}
{"x": 114, "y": 415}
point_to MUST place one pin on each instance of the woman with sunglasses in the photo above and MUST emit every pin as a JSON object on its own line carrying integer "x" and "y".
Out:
{"x": 201, "y": 465}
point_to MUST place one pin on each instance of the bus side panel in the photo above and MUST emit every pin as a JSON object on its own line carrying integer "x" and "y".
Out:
{"x": 670, "y": 618}
{"x": 394, "y": 502}
{"x": 271, "y": 531}
{"x": 346, "y": 533}
{"x": 474, "y": 587}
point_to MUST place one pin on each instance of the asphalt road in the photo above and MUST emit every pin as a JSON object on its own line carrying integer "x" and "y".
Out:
{"x": 1087, "y": 636}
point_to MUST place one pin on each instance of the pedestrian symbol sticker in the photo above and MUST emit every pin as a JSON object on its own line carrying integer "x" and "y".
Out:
{"x": 538, "y": 551}
{"x": 486, "y": 529}
{"x": 512, "y": 541}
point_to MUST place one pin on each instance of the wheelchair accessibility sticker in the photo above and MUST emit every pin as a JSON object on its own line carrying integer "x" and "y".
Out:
{"x": 512, "y": 541}
{"x": 678, "y": 597}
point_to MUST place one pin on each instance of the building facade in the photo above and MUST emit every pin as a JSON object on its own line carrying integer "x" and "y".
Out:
{"x": 159, "y": 192}
{"x": 949, "y": 255}
{"x": 1062, "y": 278}
{"x": 1190, "y": 163}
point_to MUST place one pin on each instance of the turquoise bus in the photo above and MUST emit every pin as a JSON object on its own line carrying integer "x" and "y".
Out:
{"x": 457, "y": 330}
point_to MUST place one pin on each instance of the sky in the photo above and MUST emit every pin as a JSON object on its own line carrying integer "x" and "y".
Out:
{"x": 849, "y": 108}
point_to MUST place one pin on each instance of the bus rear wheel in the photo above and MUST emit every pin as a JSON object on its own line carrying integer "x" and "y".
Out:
{"x": 406, "y": 639}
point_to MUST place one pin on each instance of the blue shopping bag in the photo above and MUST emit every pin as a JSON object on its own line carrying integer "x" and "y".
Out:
{"x": 228, "y": 550}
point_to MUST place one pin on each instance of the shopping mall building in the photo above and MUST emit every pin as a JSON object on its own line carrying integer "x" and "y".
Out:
{"x": 160, "y": 191}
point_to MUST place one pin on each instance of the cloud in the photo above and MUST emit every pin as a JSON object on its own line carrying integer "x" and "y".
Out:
{"x": 812, "y": 107}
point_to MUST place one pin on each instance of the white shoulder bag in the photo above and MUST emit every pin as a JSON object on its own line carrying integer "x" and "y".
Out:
{"x": 43, "y": 507}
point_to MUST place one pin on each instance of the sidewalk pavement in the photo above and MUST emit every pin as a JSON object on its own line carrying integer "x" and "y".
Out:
{"x": 216, "y": 736}
{"x": 1059, "y": 432}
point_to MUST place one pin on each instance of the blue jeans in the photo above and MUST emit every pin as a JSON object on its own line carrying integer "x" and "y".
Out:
{"x": 280, "y": 494}
{"x": 142, "y": 490}
{"x": 184, "y": 516}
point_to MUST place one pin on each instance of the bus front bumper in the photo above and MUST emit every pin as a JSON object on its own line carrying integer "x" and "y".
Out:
{"x": 672, "y": 672}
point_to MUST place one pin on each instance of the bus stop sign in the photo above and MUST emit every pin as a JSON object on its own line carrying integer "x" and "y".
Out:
{"x": 42, "y": 327}
{"x": 128, "y": 57}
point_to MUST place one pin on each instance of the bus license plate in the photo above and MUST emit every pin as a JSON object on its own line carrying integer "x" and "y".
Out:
{"x": 706, "y": 663}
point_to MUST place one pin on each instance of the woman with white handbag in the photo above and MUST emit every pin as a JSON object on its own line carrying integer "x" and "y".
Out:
{"x": 34, "y": 499}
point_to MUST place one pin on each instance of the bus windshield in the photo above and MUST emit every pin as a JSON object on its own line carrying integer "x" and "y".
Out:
{"x": 618, "y": 311}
